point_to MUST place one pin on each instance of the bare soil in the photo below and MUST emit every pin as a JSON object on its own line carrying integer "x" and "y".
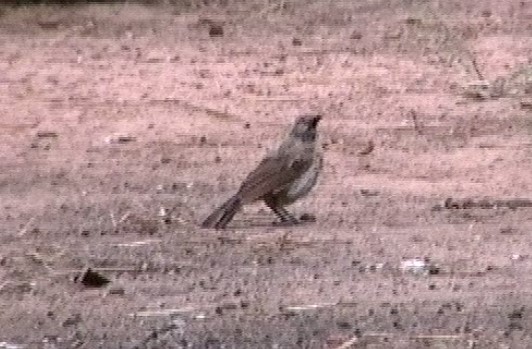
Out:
{"x": 123, "y": 126}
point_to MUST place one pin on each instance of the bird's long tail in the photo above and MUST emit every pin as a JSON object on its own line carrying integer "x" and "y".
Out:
{"x": 223, "y": 214}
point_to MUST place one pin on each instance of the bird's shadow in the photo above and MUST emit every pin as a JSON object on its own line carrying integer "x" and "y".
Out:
{"x": 251, "y": 224}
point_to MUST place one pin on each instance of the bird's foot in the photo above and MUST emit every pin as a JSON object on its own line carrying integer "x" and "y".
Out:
{"x": 286, "y": 223}
{"x": 304, "y": 218}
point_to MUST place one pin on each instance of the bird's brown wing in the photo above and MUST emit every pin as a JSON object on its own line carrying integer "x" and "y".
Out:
{"x": 272, "y": 173}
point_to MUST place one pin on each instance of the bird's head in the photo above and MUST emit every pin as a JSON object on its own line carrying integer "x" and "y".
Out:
{"x": 305, "y": 127}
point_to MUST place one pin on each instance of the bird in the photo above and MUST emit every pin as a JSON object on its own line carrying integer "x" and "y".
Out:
{"x": 282, "y": 177}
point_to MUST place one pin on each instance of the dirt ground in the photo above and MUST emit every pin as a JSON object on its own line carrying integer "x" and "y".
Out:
{"x": 122, "y": 126}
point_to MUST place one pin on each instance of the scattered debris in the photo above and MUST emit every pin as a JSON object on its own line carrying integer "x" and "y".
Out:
{"x": 419, "y": 266}
{"x": 138, "y": 243}
{"x": 119, "y": 139}
{"x": 438, "y": 337}
{"x": 219, "y": 310}
{"x": 49, "y": 24}
{"x": 393, "y": 34}
{"x": 508, "y": 231}
{"x": 47, "y": 134}
{"x": 356, "y": 35}
{"x": 297, "y": 42}
{"x": 39, "y": 259}
{"x": 91, "y": 278}
{"x": 348, "y": 344}
{"x": 72, "y": 320}
{"x": 368, "y": 150}
{"x": 164, "y": 215}
{"x": 367, "y": 192}
{"x": 518, "y": 257}
{"x": 14, "y": 287}
{"x": 116, "y": 290}
{"x": 6, "y": 345}
{"x": 413, "y": 21}
{"x": 371, "y": 267}
{"x": 478, "y": 90}
{"x": 415, "y": 265}
{"x": 451, "y": 203}
{"x": 24, "y": 229}
{"x": 216, "y": 30}
{"x": 309, "y": 306}
{"x": 230, "y": 240}
{"x": 477, "y": 68}
{"x": 120, "y": 221}
{"x": 155, "y": 57}
{"x": 307, "y": 217}
{"x": 163, "y": 312}
{"x": 417, "y": 125}
{"x": 158, "y": 333}
{"x": 526, "y": 104}
{"x": 482, "y": 89}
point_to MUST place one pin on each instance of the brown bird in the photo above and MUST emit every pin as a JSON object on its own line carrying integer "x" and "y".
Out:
{"x": 281, "y": 178}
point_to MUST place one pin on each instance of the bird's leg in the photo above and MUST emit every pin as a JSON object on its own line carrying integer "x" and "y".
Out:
{"x": 280, "y": 211}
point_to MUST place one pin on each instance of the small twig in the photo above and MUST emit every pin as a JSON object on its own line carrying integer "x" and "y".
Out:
{"x": 309, "y": 306}
{"x": 475, "y": 66}
{"x": 438, "y": 337}
{"x": 417, "y": 126}
{"x": 117, "y": 269}
{"x": 39, "y": 259}
{"x": 124, "y": 217}
{"x": 271, "y": 99}
{"x": 378, "y": 334}
{"x": 24, "y": 229}
{"x": 163, "y": 312}
{"x": 138, "y": 243}
{"x": 60, "y": 272}
{"x": 113, "y": 220}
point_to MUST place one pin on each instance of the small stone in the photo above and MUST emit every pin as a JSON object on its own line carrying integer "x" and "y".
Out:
{"x": 216, "y": 30}
{"x": 120, "y": 291}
